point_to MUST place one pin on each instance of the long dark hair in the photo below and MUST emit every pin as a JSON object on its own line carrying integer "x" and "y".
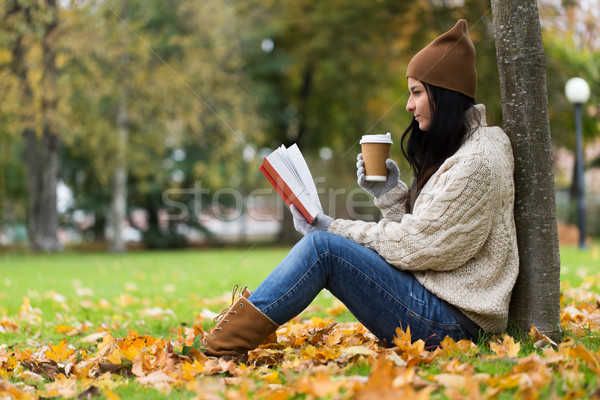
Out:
{"x": 427, "y": 151}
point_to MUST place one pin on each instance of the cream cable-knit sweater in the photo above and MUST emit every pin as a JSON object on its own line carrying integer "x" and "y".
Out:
{"x": 460, "y": 241}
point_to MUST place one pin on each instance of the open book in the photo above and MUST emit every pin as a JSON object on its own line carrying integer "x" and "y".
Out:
{"x": 287, "y": 171}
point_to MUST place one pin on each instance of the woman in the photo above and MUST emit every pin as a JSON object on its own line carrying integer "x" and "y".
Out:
{"x": 443, "y": 260}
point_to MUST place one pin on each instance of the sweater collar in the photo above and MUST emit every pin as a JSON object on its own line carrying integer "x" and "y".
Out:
{"x": 476, "y": 116}
{"x": 475, "y": 119}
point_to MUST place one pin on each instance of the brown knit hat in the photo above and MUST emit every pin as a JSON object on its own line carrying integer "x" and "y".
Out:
{"x": 448, "y": 62}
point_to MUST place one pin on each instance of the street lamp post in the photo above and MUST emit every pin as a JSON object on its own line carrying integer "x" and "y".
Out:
{"x": 578, "y": 92}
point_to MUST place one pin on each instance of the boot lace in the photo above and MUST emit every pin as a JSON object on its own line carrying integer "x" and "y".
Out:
{"x": 221, "y": 317}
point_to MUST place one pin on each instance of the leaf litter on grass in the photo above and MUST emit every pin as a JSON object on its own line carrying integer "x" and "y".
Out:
{"x": 310, "y": 357}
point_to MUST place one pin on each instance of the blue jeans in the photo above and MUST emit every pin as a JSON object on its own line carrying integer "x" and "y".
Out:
{"x": 379, "y": 295}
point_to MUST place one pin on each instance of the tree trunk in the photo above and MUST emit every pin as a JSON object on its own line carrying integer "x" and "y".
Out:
{"x": 42, "y": 151}
{"x": 118, "y": 204}
{"x": 41, "y": 157}
{"x": 118, "y": 207}
{"x": 521, "y": 63}
{"x": 288, "y": 234}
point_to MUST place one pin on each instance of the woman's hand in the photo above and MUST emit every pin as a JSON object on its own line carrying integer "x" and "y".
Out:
{"x": 321, "y": 222}
{"x": 378, "y": 189}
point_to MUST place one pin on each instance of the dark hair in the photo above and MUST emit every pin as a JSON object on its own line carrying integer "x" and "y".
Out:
{"x": 427, "y": 151}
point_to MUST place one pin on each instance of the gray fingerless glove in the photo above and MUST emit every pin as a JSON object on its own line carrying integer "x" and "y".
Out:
{"x": 378, "y": 189}
{"x": 321, "y": 222}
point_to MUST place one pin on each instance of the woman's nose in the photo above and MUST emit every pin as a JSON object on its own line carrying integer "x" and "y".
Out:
{"x": 410, "y": 105}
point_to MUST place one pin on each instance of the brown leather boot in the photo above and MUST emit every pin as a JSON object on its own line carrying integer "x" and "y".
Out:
{"x": 240, "y": 328}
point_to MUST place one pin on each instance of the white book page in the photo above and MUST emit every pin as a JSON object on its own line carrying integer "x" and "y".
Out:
{"x": 292, "y": 168}
{"x": 301, "y": 167}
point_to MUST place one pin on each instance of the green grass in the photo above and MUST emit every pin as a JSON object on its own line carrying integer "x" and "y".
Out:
{"x": 76, "y": 285}
{"x": 202, "y": 272}
{"x": 119, "y": 290}
{"x": 80, "y": 289}
{"x": 579, "y": 265}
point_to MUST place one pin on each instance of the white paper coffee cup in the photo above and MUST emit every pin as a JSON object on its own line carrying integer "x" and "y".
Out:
{"x": 375, "y": 151}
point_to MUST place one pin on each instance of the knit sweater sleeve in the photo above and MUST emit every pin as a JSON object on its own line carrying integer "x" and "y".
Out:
{"x": 449, "y": 224}
{"x": 391, "y": 204}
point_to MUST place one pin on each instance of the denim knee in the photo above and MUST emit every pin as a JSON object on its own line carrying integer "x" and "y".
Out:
{"x": 320, "y": 237}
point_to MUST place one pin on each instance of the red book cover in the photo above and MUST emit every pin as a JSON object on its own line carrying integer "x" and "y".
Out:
{"x": 284, "y": 190}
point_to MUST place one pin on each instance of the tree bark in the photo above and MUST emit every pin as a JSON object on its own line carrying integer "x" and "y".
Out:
{"x": 521, "y": 63}
{"x": 41, "y": 150}
{"x": 41, "y": 157}
{"x": 118, "y": 207}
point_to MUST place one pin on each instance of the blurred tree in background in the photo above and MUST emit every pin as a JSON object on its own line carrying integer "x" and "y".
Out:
{"x": 29, "y": 42}
{"x": 320, "y": 69}
{"x": 572, "y": 44}
{"x": 154, "y": 100}
{"x": 320, "y": 64}
{"x": 147, "y": 116}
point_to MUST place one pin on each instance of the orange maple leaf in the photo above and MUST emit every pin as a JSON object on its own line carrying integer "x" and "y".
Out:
{"x": 8, "y": 324}
{"x": 449, "y": 346}
{"x": 591, "y": 359}
{"x": 10, "y": 391}
{"x": 62, "y": 386}
{"x": 189, "y": 371}
{"x": 115, "y": 356}
{"x": 412, "y": 353}
{"x": 131, "y": 347}
{"x": 106, "y": 340}
{"x": 508, "y": 348}
{"x": 320, "y": 385}
{"x": 59, "y": 353}
{"x": 382, "y": 384}
{"x": 539, "y": 338}
{"x": 320, "y": 354}
{"x": 110, "y": 349}
{"x": 529, "y": 376}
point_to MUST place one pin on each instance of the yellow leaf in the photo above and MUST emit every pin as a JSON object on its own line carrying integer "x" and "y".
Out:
{"x": 456, "y": 367}
{"x": 448, "y": 344}
{"x": 273, "y": 377}
{"x": 382, "y": 386}
{"x": 450, "y": 380}
{"x": 132, "y": 347}
{"x": 115, "y": 356}
{"x": 59, "y": 353}
{"x": 504, "y": 382}
{"x": 319, "y": 385}
{"x": 154, "y": 378}
{"x": 189, "y": 371}
{"x": 110, "y": 395}
{"x": 358, "y": 350}
{"x": 65, "y": 329}
{"x": 320, "y": 353}
{"x": 540, "y": 340}
{"x": 580, "y": 352}
{"x": 131, "y": 334}
{"x": 402, "y": 338}
{"x": 467, "y": 346}
{"x": 508, "y": 347}
{"x": 9, "y": 391}
{"x": 106, "y": 340}
{"x": 334, "y": 338}
{"x": 62, "y": 387}
{"x": 553, "y": 356}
